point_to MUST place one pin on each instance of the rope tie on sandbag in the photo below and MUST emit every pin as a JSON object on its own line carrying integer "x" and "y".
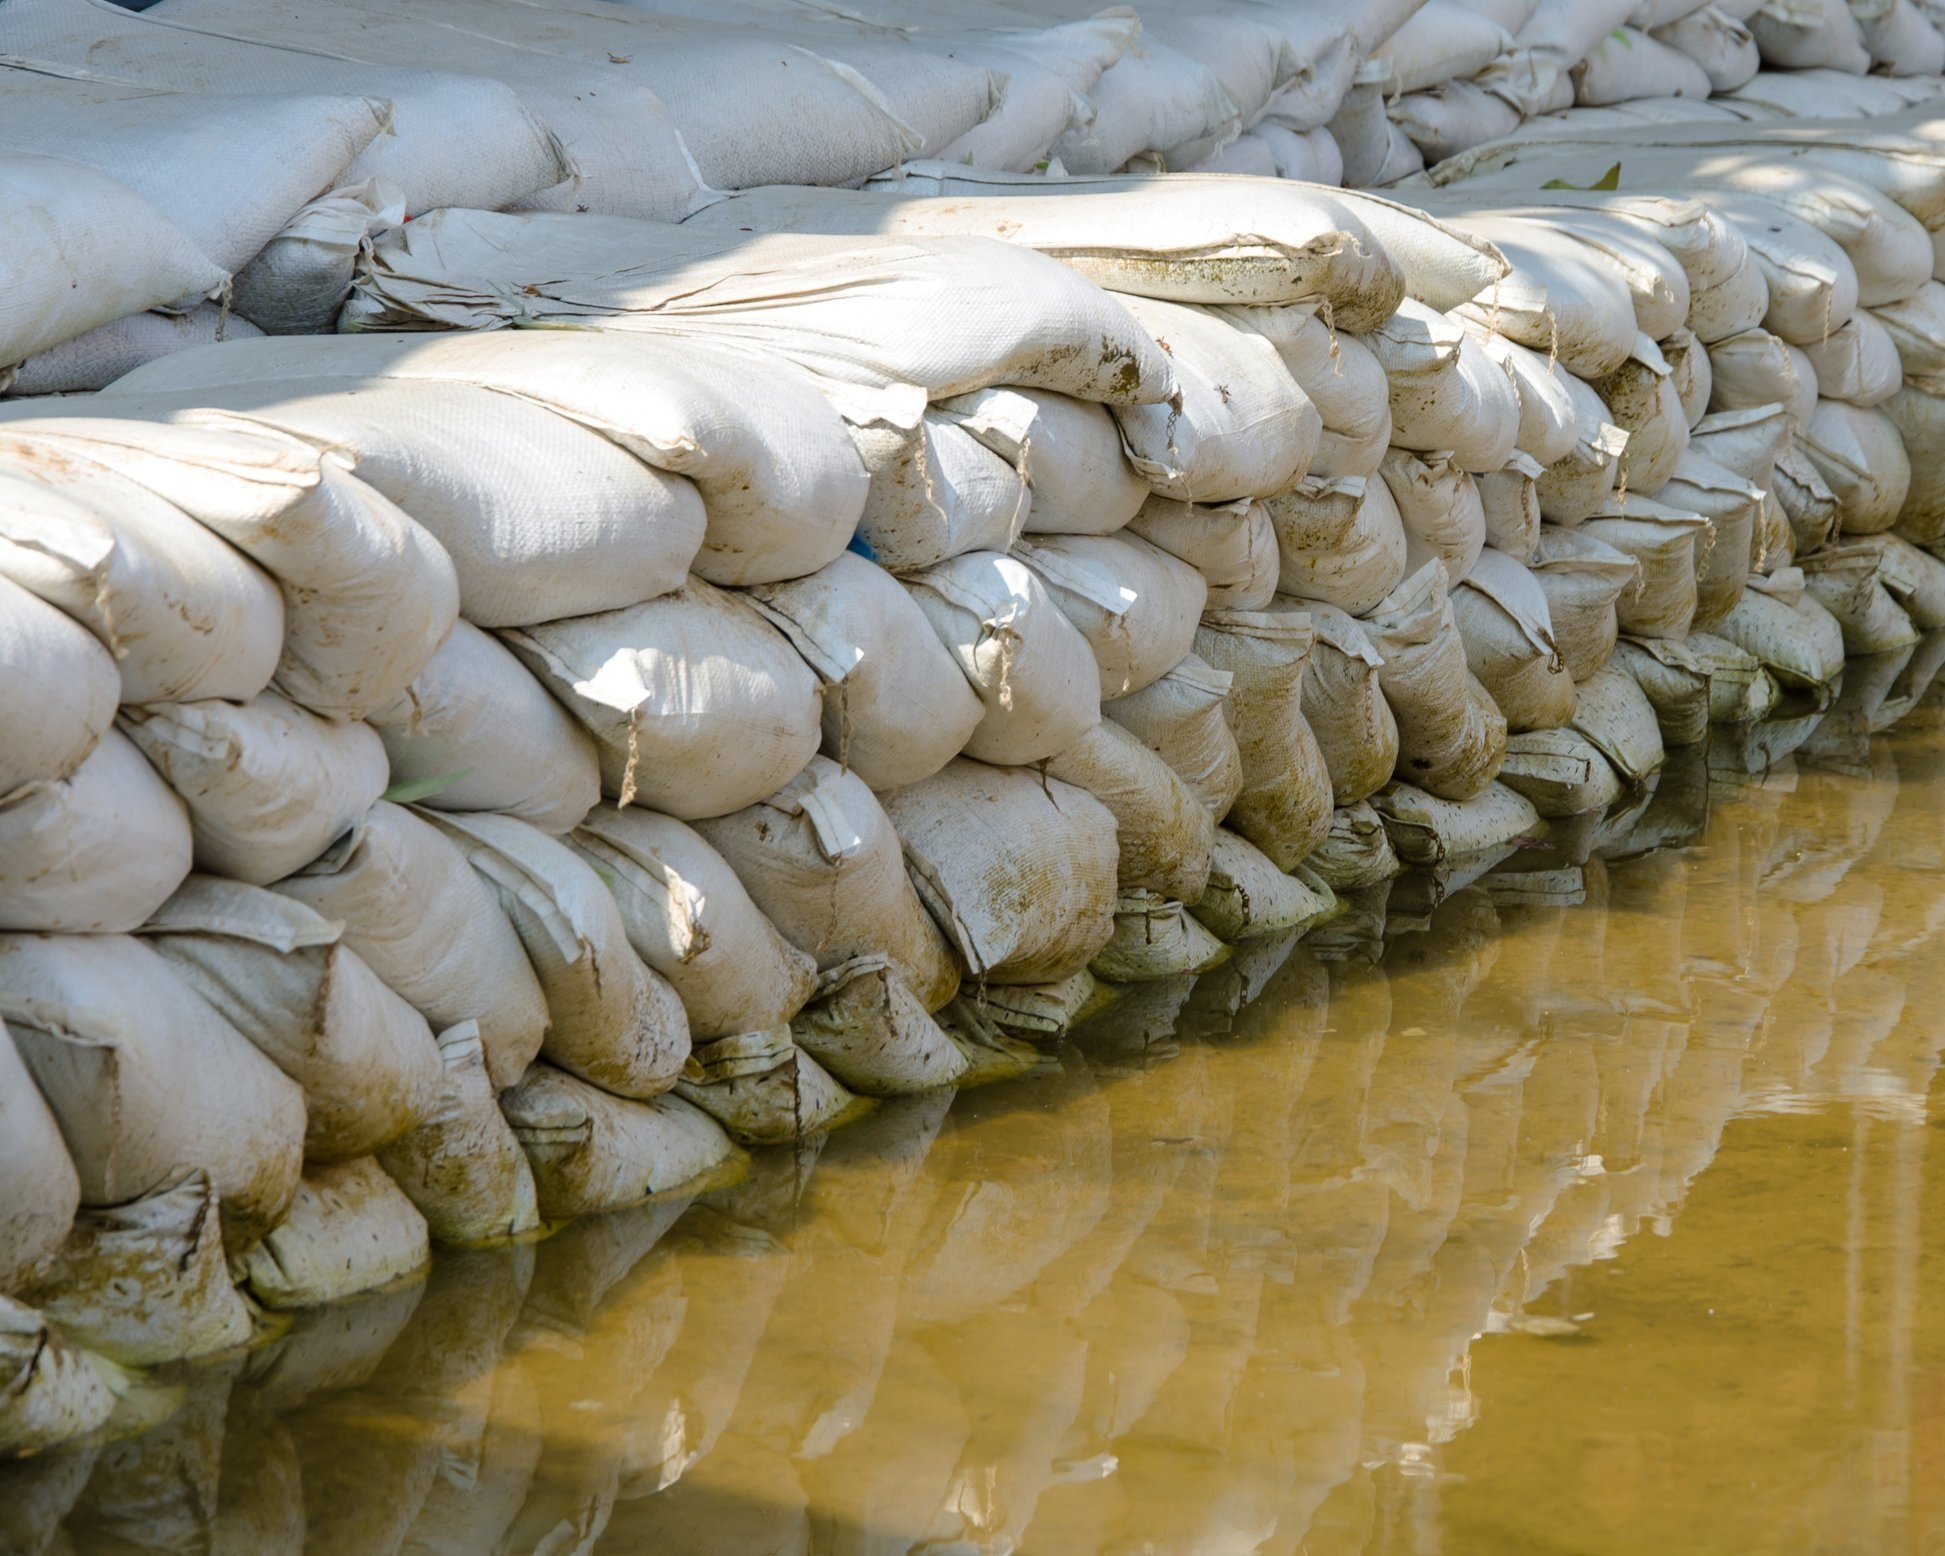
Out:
{"x": 634, "y": 759}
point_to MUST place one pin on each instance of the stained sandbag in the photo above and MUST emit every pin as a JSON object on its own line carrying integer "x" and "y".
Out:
{"x": 1439, "y": 506}
{"x": 1915, "y": 578}
{"x": 689, "y": 917}
{"x": 1641, "y": 397}
{"x": 1249, "y": 897}
{"x": 1232, "y": 545}
{"x": 1340, "y": 540}
{"x": 1582, "y": 579}
{"x": 1440, "y": 41}
{"x": 416, "y": 913}
{"x": 269, "y": 786}
{"x": 1342, "y": 377}
{"x": 1795, "y": 638}
{"x": 1134, "y": 602}
{"x": 1069, "y": 450}
{"x": 350, "y": 1229}
{"x": 1862, "y": 455}
{"x": 1155, "y": 938}
{"x": 1741, "y": 690}
{"x": 1722, "y": 45}
{"x": 1559, "y": 298}
{"x": 38, "y": 1185}
{"x": 281, "y": 974}
{"x": 592, "y": 1152}
{"x": 939, "y": 491}
{"x": 1427, "y": 830}
{"x": 610, "y": 1018}
{"x": 1181, "y": 718}
{"x": 1163, "y": 831}
{"x": 1503, "y": 619}
{"x": 1663, "y": 543}
{"x": 1453, "y": 116}
{"x": 1916, "y": 325}
{"x": 1758, "y": 368}
{"x": 1917, "y": 411}
{"x": 1445, "y": 391}
{"x": 697, "y": 704}
{"x": 1734, "y": 509}
{"x": 1579, "y": 482}
{"x": 1675, "y": 681}
{"x": 763, "y": 1089}
{"x": 1858, "y": 364}
{"x": 463, "y": 1168}
{"x": 1747, "y": 442}
{"x": 1848, "y": 581}
{"x": 1357, "y": 853}
{"x": 1509, "y": 501}
{"x": 49, "y": 737}
{"x": 54, "y": 1393}
{"x": 1627, "y": 64}
{"x": 1616, "y": 715}
{"x": 1559, "y": 772}
{"x": 1020, "y": 872}
{"x": 873, "y": 1034}
{"x": 97, "y": 850}
{"x": 146, "y": 1079}
{"x": 1344, "y": 705}
{"x": 821, "y": 859}
{"x": 1549, "y": 413}
{"x": 1692, "y": 372}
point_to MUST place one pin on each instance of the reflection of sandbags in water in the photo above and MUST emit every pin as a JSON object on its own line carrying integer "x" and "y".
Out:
{"x": 1225, "y": 991}
{"x": 158, "y": 1490}
{"x": 324, "y": 1349}
{"x": 259, "y": 1495}
{"x": 746, "y": 1496}
{"x": 362, "y": 1487}
{"x": 475, "y": 1497}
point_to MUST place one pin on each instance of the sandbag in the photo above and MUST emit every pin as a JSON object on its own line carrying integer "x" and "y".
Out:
{"x": 48, "y": 737}
{"x": 269, "y": 786}
{"x": 1450, "y": 734}
{"x": 1503, "y": 620}
{"x": 1340, "y": 540}
{"x": 1616, "y": 715}
{"x": 1734, "y": 509}
{"x": 296, "y": 283}
{"x": 1582, "y": 579}
{"x": 462, "y": 1167}
{"x": 1862, "y": 455}
{"x": 1721, "y": 44}
{"x": 697, "y": 705}
{"x": 1747, "y": 442}
{"x": 1758, "y": 368}
{"x": 1915, "y": 578}
{"x": 1559, "y": 773}
{"x": 1155, "y": 938}
{"x": 1445, "y": 392}
{"x": 873, "y": 1034}
{"x": 1663, "y": 543}
{"x": 896, "y": 708}
{"x": 820, "y": 858}
{"x": 1134, "y": 603}
{"x": 1741, "y": 690}
{"x": 592, "y": 1152}
{"x": 1284, "y": 804}
{"x": 1440, "y": 508}
{"x": 1814, "y": 35}
{"x": 763, "y": 1089}
{"x": 1559, "y": 298}
{"x": 1795, "y": 638}
{"x": 939, "y": 491}
{"x": 474, "y": 731}
{"x": 1452, "y": 117}
{"x": 1440, "y": 41}
{"x": 1691, "y": 371}
{"x": 1676, "y": 683}
{"x": 1033, "y": 671}
{"x": 1427, "y": 830}
{"x": 1848, "y": 582}
{"x": 419, "y": 917}
{"x": 1357, "y": 853}
{"x": 1345, "y": 708}
{"x": 1248, "y": 896}
{"x": 1627, "y": 64}
{"x": 281, "y": 974}
{"x": 1641, "y": 397}
{"x": 1580, "y": 481}
{"x": 1917, "y": 411}
{"x": 1018, "y": 870}
{"x": 1182, "y": 719}
{"x": 1858, "y": 364}
{"x": 38, "y": 1185}
{"x": 1509, "y": 501}
{"x": 1916, "y": 325}
{"x": 1232, "y": 545}
{"x": 1069, "y": 449}
{"x": 146, "y": 1079}
{"x": 689, "y": 918}
{"x": 1549, "y": 425}
{"x": 350, "y": 1229}
{"x": 610, "y": 1018}
{"x": 95, "y": 851}
{"x": 1342, "y": 377}
{"x": 1163, "y": 831}
{"x": 54, "y": 1393}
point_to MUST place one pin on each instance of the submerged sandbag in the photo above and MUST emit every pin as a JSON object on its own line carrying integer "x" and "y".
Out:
{"x": 38, "y": 1187}
{"x": 1163, "y": 832}
{"x": 873, "y": 1034}
{"x": 1560, "y": 773}
{"x": 350, "y": 1229}
{"x": 1676, "y": 683}
{"x": 1182, "y": 719}
{"x": 1249, "y": 896}
{"x": 1357, "y": 853}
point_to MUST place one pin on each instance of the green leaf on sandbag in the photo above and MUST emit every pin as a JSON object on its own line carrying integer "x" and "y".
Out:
{"x": 416, "y": 789}
{"x": 1605, "y": 184}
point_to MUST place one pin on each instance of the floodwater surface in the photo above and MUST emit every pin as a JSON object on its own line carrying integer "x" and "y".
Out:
{"x": 1595, "y": 1205}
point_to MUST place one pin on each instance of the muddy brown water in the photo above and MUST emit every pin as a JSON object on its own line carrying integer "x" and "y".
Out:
{"x": 1581, "y": 1208}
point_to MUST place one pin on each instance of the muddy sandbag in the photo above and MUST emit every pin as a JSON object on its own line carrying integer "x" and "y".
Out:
{"x": 1915, "y": 578}
{"x": 1582, "y": 579}
{"x": 1663, "y": 543}
{"x": 1509, "y": 500}
{"x": 462, "y": 1167}
{"x": 1849, "y": 582}
{"x": 38, "y": 1187}
{"x": 350, "y": 1229}
{"x": 1795, "y": 638}
{"x": 1162, "y": 829}
{"x": 1134, "y": 603}
{"x": 1861, "y": 454}
{"x": 1643, "y": 401}
{"x": 1019, "y": 870}
{"x": 1249, "y": 896}
{"x": 53, "y": 1392}
{"x": 269, "y": 785}
{"x": 1560, "y": 773}
{"x": 1746, "y": 442}
{"x": 49, "y": 737}
{"x": 281, "y": 974}
{"x": 1809, "y": 506}
{"x": 1033, "y": 670}
{"x": 1741, "y": 690}
{"x": 1284, "y": 804}
{"x": 1450, "y": 733}
{"x": 1616, "y": 715}
{"x": 146, "y": 1079}
{"x": 1070, "y": 450}
{"x": 96, "y": 851}
{"x": 820, "y": 858}
{"x": 1675, "y": 682}
{"x": 592, "y": 1152}
{"x": 1579, "y": 481}
{"x": 1232, "y": 545}
{"x": 1357, "y": 853}
{"x": 185, "y": 614}
{"x": 1693, "y": 374}
{"x": 1344, "y": 705}
{"x": 1182, "y": 719}
{"x": 1154, "y": 938}
{"x": 1343, "y": 378}
{"x": 1440, "y": 509}
{"x": 1427, "y": 830}
{"x": 1446, "y": 393}
{"x": 1507, "y": 629}
{"x": 896, "y": 708}
{"x": 1340, "y": 539}
{"x": 697, "y": 704}
{"x": 611, "y": 1019}
{"x": 475, "y": 731}
{"x": 873, "y": 1034}
{"x": 763, "y": 1089}
{"x": 1758, "y": 368}
{"x": 936, "y": 492}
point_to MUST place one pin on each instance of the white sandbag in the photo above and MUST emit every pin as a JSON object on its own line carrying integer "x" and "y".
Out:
{"x": 1342, "y": 378}
{"x": 1560, "y": 298}
{"x": 1813, "y": 286}
{"x": 38, "y": 1185}
{"x": 1452, "y": 117}
{"x": 1427, "y": 830}
{"x": 1741, "y": 690}
{"x": 1903, "y": 40}
{"x": 763, "y": 1089}
{"x": 1627, "y": 64}
{"x": 462, "y": 1168}
{"x": 1284, "y": 804}
{"x": 1232, "y": 545}
{"x": 1357, "y": 853}
{"x": 1154, "y": 939}
{"x": 103, "y": 354}
{"x": 183, "y": 613}
{"x": 822, "y": 861}
{"x": 1918, "y": 413}
{"x": 1674, "y": 680}
{"x": 1749, "y": 442}
{"x": 1580, "y": 481}
{"x": 350, "y": 1229}
{"x": 368, "y": 593}
{"x": 98, "y": 850}
{"x": 1795, "y": 638}
{"x": 1310, "y": 156}
{"x": 1811, "y": 35}
{"x": 1163, "y": 831}
{"x": 1915, "y": 578}
{"x": 1450, "y": 734}
{"x": 1440, "y": 509}
{"x": 1774, "y": 544}
{"x": 1758, "y": 368}
{"x": 942, "y": 313}
{"x": 1440, "y": 41}
{"x": 269, "y": 786}
{"x": 1248, "y": 896}
{"x": 418, "y": 916}
{"x": 1734, "y": 509}
{"x": 1444, "y": 265}
{"x": 1018, "y": 870}
{"x": 1663, "y": 543}
{"x": 1917, "y": 328}
{"x": 942, "y": 492}
{"x": 146, "y": 1079}
{"x": 146, "y": 1282}
{"x": 696, "y": 703}
{"x": 1722, "y": 46}
{"x": 873, "y": 1034}
{"x": 1182, "y": 719}
{"x": 1861, "y": 454}
{"x": 1617, "y": 717}
{"x": 1848, "y": 582}
{"x": 1560, "y": 773}
{"x": 1344, "y": 706}
{"x": 1134, "y": 603}
{"x": 54, "y": 1392}
{"x": 1641, "y": 397}
{"x": 690, "y": 919}
{"x": 1241, "y": 426}
{"x": 48, "y": 737}
{"x": 1858, "y": 364}
{"x": 1509, "y": 501}
{"x": 1503, "y": 620}
{"x": 1693, "y": 374}
{"x": 610, "y": 1018}
{"x": 1738, "y": 302}
{"x": 1445, "y": 392}
{"x": 1034, "y": 672}
{"x": 281, "y": 974}
{"x": 1362, "y": 131}
{"x": 1549, "y": 425}
{"x": 1582, "y": 579}
{"x": 1340, "y": 540}
{"x": 1069, "y": 449}
{"x": 592, "y": 1152}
